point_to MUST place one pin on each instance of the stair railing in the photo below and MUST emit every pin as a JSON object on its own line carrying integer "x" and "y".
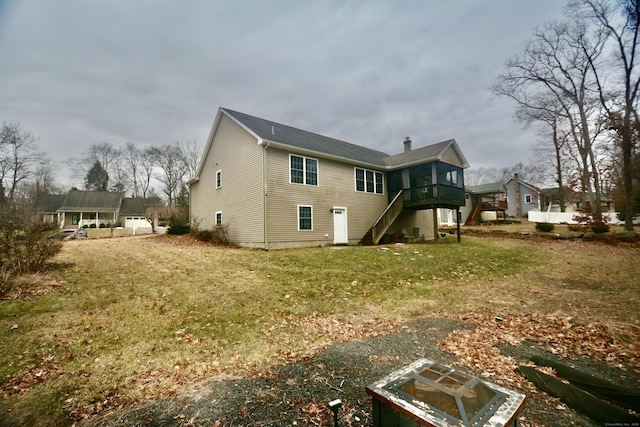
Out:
{"x": 386, "y": 219}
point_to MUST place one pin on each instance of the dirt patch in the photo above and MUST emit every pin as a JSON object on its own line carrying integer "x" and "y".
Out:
{"x": 298, "y": 393}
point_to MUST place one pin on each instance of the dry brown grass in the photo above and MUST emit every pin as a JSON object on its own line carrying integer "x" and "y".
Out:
{"x": 138, "y": 318}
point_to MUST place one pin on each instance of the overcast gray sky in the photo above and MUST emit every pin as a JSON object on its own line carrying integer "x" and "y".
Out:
{"x": 368, "y": 72}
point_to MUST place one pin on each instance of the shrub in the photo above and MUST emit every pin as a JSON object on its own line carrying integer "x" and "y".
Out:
{"x": 546, "y": 227}
{"x": 586, "y": 217}
{"x": 600, "y": 227}
{"x": 575, "y": 227}
{"x": 204, "y": 235}
{"x": 25, "y": 245}
{"x": 85, "y": 226}
{"x": 220, "y": 235}
{"x": 102, "y": 225}
{"x": 92, "y": 226}
{"x": 178, "y": 229}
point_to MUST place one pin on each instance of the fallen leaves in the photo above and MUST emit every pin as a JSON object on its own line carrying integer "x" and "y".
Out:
{"x": 477, "y": 348}
{"x": 29, "y": 285}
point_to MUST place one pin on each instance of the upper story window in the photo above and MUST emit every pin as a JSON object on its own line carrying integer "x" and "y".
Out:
{"x": 368, "y": 181}
{"x": 303, "y": 170}
{"x": 219, "y": 179}
{"x": 527, "y": 198}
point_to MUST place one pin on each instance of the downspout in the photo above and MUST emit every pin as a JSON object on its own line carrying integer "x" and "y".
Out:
{"x": 265, "y": 223}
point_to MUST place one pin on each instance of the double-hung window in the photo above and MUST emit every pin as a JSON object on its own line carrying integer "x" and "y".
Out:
{"x": 368, "y": 181}
{"x": 303, "y": 170}
{"x": 219, "y": 179}
{"x": 219, "y": 218}
{"x": 305, "y": 218}
{"x": 527, "y": 198}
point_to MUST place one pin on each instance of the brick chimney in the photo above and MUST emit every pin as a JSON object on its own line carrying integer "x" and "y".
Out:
{"x": 516, "y": 185}
{"x": 407, "y": 144}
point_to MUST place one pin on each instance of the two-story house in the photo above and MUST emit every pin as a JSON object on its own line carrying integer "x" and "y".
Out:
{"x": 522, "y": 197}
{"x": 275, "y": 186}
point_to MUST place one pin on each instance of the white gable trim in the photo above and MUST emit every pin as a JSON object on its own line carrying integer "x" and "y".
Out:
{"x": 454, "y": 146}
{"x": 212, "y": 133}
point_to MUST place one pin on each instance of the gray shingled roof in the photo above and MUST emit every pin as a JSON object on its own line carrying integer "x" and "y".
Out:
{"x": 494, "y": 187}
{"x": 91, "y": 201}
{"x": 287, "y": 135}
{"x": 136, "y": 206}
{"x": 283, "y": 134}
{"x": 428, "y": 153}
{"x": 49, "y": 202}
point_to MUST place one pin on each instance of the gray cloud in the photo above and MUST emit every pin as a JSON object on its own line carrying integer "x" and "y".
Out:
{"x": 371, "y": 73}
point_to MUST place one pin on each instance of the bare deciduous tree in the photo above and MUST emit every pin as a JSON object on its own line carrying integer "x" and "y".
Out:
{"x": 555, "y": 63}
{"x": 131, "y": 157}
{"x": 191, "y": 151}
{"x": 44, "y": 175}
{"x": 19, "y": 156}
{"x": 147, "y": 165}
{"x": 104, "y": 153}
{"x": 620, "y": 21}
{"x": 544, "y": 111}
{"x": 170, "y": 161}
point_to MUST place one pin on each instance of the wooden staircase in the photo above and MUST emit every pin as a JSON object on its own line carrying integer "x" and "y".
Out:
{"x": 472, "y": 219}
{"x": 375, "y": 233}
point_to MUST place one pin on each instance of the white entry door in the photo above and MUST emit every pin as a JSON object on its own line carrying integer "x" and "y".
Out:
{"x": 340, "y": 233}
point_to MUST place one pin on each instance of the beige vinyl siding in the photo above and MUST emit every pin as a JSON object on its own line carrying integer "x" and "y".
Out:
{"x": 236, "y": 153}
{"x": 450, "y": 156}
{"x": 410, "y": 219}
{"x": 336, "y": 187}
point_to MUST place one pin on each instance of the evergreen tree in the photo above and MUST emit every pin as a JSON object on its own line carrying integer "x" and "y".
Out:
{"x": 97, "y": 178}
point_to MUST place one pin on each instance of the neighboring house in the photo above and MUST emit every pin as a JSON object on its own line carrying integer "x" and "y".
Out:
{"x": 550, "y": 210}
{"x": 132, "y": 212}
{"x": 47, "y": 206}
{"x": 94, "y": 209}
{"x": 274, "y": 186}
{"x": 573, "y": 201}
{"x": 485, "y": 202}
{"x": 521, "y": 197}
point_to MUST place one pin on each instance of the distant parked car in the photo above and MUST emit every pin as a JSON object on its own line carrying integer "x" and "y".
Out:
{"x": 70, "y": 234}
